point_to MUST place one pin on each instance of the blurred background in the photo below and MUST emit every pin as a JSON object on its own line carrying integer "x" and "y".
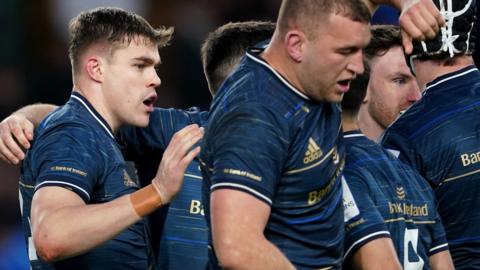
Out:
{"x": 34, "y": 67}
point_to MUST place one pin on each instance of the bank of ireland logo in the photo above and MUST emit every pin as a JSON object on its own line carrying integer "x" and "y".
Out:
{"x": 313, "y": 152}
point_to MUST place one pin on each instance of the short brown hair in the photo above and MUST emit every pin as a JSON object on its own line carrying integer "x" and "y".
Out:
{"x": 306, "y": 12}
{"x": 384, "y": 37}
{"x": 224, "y": 47}
{"x": 112, "y": 25}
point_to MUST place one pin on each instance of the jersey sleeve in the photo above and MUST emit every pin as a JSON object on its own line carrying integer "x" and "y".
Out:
{"x": 249, "y": 147}
{"x": 154, "y": 139}
{"x": 69, "y": 158}
{"x": 363, "y": 221}
{"x": 439, "y": 238}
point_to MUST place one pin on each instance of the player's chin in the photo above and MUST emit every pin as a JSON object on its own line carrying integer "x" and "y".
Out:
{"x": 141, "y": 120}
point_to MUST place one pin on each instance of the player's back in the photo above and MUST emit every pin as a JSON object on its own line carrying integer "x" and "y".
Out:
{"x": 440, "y": 137}
{"x": 389, "y": 199}
{"x": 179, "y": 231}
{"x": 267, "y": 139}
{"x": 75, "y": 149}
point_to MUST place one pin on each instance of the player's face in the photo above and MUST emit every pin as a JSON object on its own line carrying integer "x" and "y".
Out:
{"x": 130, "y": 83}
{"x": 392, "y": 87}
{"x": 333, "y": 58}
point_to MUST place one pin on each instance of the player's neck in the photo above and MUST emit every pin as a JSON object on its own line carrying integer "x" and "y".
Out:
{"x": 349, "y": 122}
{"x": 368, "y": 125}
{"x": 427, "y": 71}
{"x": 98, "y": 102}
{"x": 278, "y": 59}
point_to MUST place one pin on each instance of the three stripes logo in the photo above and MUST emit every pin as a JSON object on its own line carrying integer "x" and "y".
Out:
{"x": 313, "y": 152}
{"x": 400, "y": 192}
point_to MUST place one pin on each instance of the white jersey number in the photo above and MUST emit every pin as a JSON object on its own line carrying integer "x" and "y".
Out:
{"x": 411, "y": 236}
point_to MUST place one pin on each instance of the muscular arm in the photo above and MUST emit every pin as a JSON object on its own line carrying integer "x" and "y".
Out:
{"x": 16, "y": 131}
{"x": 238, "y": 221}
{"x": 64, "y": 226}
{"x": 441, "y": 261}
{"x": 377, "y": 254}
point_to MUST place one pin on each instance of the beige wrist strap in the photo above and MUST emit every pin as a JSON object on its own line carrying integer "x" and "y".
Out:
{"x": 145, "y": 200}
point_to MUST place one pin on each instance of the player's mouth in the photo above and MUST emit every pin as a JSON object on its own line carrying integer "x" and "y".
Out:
{"x": 343, "y": 85}
{"x": 150, "y": 101}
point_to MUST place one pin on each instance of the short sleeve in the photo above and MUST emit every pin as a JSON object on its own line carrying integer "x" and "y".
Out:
{"x": 363, "y": 221}
{"x": 248, "y": 149}
{"x": 68, "y": 157}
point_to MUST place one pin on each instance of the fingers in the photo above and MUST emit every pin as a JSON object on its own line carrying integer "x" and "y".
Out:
{"x": 20, "y": 132}
{"x": 182, "y": 141}
{"x": 6, "y": 154}
{"x": 420, "y": 20}
{"x": 407, "y": 43}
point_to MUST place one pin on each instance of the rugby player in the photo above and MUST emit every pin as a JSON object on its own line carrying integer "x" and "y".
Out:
{"x": 439, "y": 135}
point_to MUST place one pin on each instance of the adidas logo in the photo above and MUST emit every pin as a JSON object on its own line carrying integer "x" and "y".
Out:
{"x": 313, "y": 152}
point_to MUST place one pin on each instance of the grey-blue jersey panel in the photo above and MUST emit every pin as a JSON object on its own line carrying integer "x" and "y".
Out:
{"x": 266, "y": 139}
{"x": 183, "y": 231}
{"x": 387, "y": 198}
{"x": 75, "y": 149}
{"x": 440, "y": 137}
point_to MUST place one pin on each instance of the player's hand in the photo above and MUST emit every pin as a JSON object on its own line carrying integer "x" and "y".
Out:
{"x": 420, "y": 20}
{"x": 16, "y": 132}
{"x": 176, "y": 158}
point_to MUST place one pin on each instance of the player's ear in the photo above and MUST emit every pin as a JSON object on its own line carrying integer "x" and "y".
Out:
{"x": 295, "y": 44}
{"x": 94, "y": 68}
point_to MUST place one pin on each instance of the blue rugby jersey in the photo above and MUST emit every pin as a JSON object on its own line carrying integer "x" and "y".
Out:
{"x": 384, "y": 197}
{"x": 182, "y": 230}
{"x": 440, "y": 137}
{"x": 269, "y": 140}
{"x": 74, "y": 148}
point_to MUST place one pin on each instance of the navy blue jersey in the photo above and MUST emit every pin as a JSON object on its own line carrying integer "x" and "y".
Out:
{"x": 384, "y": 197}
{"x": 183, "y": 231}
{"x": 74, "y": 148}
{"x": 440, "y": 137}
{"x": 267, "y": 139}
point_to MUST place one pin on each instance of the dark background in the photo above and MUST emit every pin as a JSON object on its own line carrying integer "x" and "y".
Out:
{"x": 34, "y": 67}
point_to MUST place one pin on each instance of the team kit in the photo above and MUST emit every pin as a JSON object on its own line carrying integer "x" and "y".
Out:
{"x": 329, "y": 144}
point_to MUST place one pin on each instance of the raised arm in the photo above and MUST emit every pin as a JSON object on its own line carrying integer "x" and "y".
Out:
{"x": 16, "y": 131}
{"x": 64, "y": 226}
{"x": 420, "y": 19}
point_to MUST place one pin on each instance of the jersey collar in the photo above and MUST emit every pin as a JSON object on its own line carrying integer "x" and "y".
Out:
{"x": 450, "y": 76}
{"x": 253, "y": 54}
{"x": 353, "y": 134}
{"x": 91, "y": 110}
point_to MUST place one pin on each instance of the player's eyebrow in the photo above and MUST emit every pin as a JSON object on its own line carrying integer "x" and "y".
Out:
{"x": 147, "y": 60}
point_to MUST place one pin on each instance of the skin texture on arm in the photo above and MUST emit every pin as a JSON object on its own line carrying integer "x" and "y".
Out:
{"x": 64, "y": 226}
{"x": 238, "y": 221}
{"x": 441, "y": 261}
{"x": 16, "y": 131}
{"x": 420, "y": 19}
{"x": 368, "y": 258}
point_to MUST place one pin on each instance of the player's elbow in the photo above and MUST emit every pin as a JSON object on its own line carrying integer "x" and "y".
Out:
{"x": 47, "y": 247}
{"x": 231, "y": 254}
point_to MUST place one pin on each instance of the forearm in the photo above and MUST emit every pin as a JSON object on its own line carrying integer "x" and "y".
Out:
{"x": 36, "y": 112}
{"x": 441, "y": 261}
{"x": 73, "y": 230}
{"x": 252, "y": 254}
